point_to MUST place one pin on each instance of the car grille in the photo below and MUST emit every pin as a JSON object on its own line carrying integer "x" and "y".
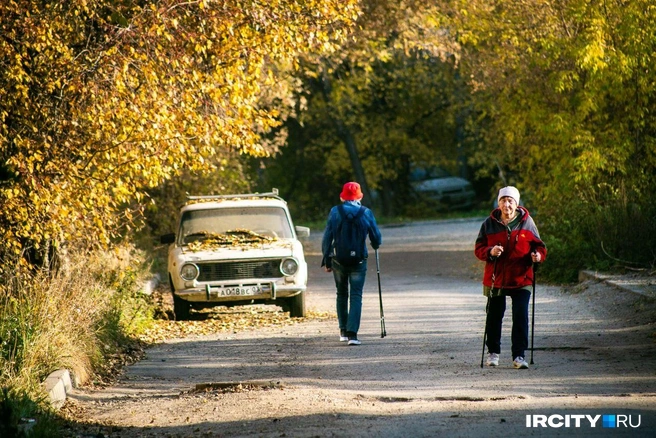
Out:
{"x": 239, "y": 270}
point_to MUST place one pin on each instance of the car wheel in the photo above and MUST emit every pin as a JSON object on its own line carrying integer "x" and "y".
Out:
{"x": 180, "y": 308}
{"x": 296, "y": 305}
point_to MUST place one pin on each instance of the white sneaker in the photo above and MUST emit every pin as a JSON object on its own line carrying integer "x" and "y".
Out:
{"x": 342, "y": 336}
{"x": 492, "y": 360}
{"x": 520, "y": 363}
{"x": 354, "y": 341}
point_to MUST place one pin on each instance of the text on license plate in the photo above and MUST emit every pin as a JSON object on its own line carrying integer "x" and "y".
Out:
{"x": 239, "y": 291}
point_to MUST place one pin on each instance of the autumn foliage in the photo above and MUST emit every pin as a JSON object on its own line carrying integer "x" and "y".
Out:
{"x": 555, "y": 98}
{"x": 562, "y": 98}
{"x": 100, "y": 103}
{"x": 106, "y": 106}
{"x": 102, "y": 100}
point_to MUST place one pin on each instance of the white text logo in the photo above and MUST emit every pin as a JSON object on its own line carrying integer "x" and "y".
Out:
{"x": 580, "y": 420}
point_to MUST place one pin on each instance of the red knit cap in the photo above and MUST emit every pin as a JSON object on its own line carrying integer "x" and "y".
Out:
{"x": 351, "y": 192}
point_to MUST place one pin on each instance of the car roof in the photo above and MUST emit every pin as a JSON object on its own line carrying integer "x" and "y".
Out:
{"x": 232, "y": 203}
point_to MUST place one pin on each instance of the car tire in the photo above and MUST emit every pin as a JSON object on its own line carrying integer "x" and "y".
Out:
{"x": 296, "y": 306}
{"x": 180, "y": 308}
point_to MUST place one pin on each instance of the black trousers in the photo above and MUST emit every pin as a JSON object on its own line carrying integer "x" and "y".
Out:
{"x": 519, "y": 337}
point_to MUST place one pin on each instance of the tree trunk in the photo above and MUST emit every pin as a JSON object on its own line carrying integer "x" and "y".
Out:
{"x": 460, "y": 125}
{"x": 346, "y": 135}
{"x": 386, "y": 198}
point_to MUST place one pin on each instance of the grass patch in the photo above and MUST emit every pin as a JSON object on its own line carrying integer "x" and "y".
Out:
{"x": 78, "y": 318}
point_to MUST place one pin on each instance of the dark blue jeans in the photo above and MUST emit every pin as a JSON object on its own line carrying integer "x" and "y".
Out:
{"x": 349, "y": 302}
{"x": 519, "y": 337}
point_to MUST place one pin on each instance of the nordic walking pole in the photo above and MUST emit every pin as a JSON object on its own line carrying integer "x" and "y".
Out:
{"x": 535, "y": 268}
{"x": 487, "y": 307}
{"x": 383, "y": 332}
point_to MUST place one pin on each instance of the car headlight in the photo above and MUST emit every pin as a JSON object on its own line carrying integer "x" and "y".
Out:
{"x": 189, "y": 271}
{"x": 289, "y": 266}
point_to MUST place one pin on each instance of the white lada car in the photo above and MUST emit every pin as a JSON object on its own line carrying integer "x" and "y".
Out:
{"x": 234, "y": 250}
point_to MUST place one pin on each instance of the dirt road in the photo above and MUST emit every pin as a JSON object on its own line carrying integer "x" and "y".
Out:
{"x": 595, "y": 356}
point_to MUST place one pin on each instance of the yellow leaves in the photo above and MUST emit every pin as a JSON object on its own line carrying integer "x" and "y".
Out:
{"x": 102, "y": 116}
{"x": 11, "y": 193}
{"x": 593, "y": 54}
{"x": 220, "y": 319}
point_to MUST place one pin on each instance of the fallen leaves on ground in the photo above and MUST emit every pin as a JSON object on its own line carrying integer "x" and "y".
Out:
{"x": 222, "y": 319}
{"x": 219, "y": 319}
{"x": 233, "y": 387}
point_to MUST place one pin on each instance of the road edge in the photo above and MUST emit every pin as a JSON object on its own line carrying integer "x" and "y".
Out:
{"x": 645, "y": 286}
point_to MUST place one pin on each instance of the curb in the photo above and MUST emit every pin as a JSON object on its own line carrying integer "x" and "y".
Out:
{"x": 57, "y": 385}
{"x": 645, "y": 286}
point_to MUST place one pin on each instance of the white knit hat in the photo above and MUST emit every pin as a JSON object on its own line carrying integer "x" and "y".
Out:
{"x": 509, "y": 191}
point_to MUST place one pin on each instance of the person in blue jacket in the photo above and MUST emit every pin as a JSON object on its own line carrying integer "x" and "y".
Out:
{"x": 349, "y": 303}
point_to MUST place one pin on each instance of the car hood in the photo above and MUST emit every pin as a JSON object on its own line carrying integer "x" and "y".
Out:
{"x": 279, "y": 248}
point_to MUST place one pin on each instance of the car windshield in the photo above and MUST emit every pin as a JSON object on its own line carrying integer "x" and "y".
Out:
{"x": 269, "y": 221}
{"x": 432, "y": 172}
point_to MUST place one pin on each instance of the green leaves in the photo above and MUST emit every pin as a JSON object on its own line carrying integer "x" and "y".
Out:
{"x": 563, "y": 86}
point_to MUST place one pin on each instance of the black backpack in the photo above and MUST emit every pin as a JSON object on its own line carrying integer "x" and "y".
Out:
{"x": 350, "y": 237}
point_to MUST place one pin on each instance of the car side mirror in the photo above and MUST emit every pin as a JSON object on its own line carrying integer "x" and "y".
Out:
{"x": 302, "y": 231}
{"x": 167, "y": 239}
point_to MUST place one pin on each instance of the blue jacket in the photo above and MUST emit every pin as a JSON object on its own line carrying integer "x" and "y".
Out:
{"x": 334, "y": 219}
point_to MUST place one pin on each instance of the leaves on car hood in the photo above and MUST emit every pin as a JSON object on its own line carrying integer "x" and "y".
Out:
{"x": 239, "y": 238}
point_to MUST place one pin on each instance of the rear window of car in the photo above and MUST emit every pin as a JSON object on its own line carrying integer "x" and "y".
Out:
{"x": 422, "y": 174}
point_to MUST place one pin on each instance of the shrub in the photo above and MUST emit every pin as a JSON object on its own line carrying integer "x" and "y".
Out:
{"x": 612, "y": 237}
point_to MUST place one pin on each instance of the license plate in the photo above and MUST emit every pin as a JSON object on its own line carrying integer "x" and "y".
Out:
{"x": 237, "y": 291}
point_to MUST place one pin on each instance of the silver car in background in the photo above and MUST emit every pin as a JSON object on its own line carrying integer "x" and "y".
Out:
{"x": 435, "y": 184}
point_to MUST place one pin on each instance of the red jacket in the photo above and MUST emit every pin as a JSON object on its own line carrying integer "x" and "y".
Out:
{"x": 514, "y": 267}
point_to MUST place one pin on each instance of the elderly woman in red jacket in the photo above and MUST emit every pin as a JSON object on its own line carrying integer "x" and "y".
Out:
{"x": 509, "y": 244}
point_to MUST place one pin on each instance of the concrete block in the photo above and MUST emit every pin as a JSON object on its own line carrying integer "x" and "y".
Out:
{"x": 586, "y": 275}
{"x": 75, "y": 378}
{"x": 57, "y": 385}
{"x": 150, "y": 285}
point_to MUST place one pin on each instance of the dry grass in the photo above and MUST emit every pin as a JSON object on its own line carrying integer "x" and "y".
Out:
{"x": 71, "y": 319}
{"x": 90, "y": 319}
